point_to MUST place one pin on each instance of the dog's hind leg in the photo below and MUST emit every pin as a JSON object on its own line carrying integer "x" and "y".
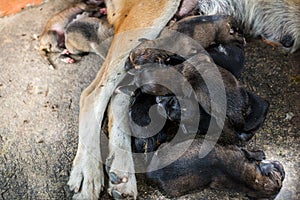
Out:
{"x": 119, "y": 164}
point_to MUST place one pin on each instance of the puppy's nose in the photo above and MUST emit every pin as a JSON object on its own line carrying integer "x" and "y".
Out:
{"x": 243, "y": 136}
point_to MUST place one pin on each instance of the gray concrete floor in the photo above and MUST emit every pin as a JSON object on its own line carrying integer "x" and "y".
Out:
{"x": 39, "y": 109}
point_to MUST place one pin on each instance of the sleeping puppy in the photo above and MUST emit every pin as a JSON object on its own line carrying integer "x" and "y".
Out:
{"x": 277, "y": 22}
{"x": 184, "y": 39}
{"x": 88, "y": 34}
{"x": 225, "y": 167}
{"x": 52, "y": 39}
{"x": 228, "y": 167}
{"x": 245, "y": 112}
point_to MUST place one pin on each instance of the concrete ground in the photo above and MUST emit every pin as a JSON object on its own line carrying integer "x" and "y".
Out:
{"x": 39, "y": 109}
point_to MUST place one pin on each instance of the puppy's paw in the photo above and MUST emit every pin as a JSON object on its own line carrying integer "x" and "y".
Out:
{"x": 273, "y": 169}
{"x": 68, "y": 60}
{"x": 87, "y": 178}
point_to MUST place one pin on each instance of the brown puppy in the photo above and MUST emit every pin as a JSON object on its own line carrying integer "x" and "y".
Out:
{"x": 184, "y": 39}
{"x": 227, "y": 167}
{"x": 207, "y": 29}
{"x": 276, "y": 21}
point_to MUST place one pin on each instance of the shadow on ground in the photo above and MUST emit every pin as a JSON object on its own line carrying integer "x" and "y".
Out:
{"x": 39, "y": 109}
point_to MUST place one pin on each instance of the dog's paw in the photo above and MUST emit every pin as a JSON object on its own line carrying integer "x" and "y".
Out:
{"x": 122, "y": 183}
{"x": 122, "y": 187}
{"x": 87, "y": 178}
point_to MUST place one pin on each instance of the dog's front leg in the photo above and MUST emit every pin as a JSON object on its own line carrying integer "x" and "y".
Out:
{"x": 87, "y": 178}
{"x": 119, "y": 164}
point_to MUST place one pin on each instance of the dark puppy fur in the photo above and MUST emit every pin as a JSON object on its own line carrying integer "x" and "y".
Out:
{"x": 225, "y": 167}
{"x": 140, "y": 119}
{"x": 253, "y": 117}
{"x": 147, "y": 139}
{"x": 228, "y": 168}
{"x": 245, "y": 111}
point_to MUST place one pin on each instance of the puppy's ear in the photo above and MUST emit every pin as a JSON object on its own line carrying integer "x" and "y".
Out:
{"x": 253, "y": 156}
{"x": 258, "y": 109}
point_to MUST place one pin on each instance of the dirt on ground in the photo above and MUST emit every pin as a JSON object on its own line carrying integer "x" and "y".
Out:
{"x": 39, "y": 109}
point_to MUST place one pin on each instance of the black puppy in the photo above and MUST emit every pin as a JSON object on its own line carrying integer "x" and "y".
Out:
{"x": 224, "y": 167}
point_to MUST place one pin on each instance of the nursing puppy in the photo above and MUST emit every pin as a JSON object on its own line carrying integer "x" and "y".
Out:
{"x": 184, "y": 36}
{"x": 229, "y": 168}
{"x": 276, "y": 21}
{"x": 89, "y": 34}
{"x": 207, "y": 29}
{"x": 225, "y": 167}
{"x": 52, "y": 39}
{"x": 245, "y": 111}
{"x": 229, "y": 56}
